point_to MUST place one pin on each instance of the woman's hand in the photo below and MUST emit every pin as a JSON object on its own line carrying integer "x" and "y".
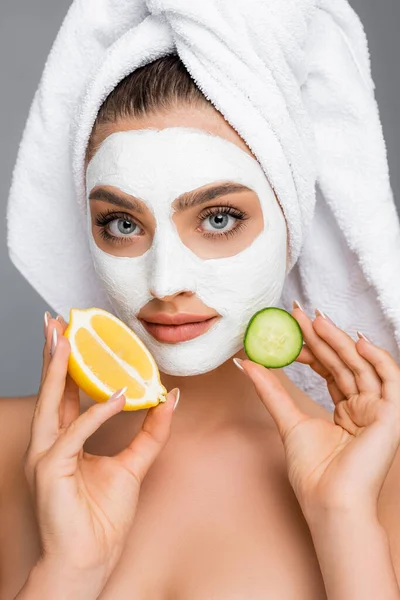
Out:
{"x": 85, "y": 504}
{"x": 339, "y": 465}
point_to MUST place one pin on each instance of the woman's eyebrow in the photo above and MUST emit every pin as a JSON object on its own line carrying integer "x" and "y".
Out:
{"x": 116, "y": 199}
{"x": 196, "y": 197}
{"x": 183, "y": 202}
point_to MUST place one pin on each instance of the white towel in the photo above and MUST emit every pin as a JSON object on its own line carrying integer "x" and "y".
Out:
{"x": 293, "y": 78}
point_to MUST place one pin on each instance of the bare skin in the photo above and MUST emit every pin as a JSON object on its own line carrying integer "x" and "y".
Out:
{"x": 217, "y": 516}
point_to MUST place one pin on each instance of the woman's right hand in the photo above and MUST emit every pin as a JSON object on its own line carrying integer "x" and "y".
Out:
{"x": 85, "y": 504}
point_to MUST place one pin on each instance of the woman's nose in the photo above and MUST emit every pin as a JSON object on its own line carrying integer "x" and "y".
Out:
{"x": 171, "y": 296}
{"x": 171, "y": 270}
{"x": 168, "y": 280}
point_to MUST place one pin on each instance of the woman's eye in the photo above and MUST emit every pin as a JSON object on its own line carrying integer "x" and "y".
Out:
{"x": 219, "y": 222}
{"x": 124, "y": 228}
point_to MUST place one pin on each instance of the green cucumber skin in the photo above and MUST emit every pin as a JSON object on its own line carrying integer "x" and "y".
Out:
{"x": 248, "y": 328}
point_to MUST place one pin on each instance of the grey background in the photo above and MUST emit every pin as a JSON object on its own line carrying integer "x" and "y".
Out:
{"x": 27, "y": 30}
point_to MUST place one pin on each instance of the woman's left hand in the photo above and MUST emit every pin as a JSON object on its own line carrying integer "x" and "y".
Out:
{"x": 341, "y": 464}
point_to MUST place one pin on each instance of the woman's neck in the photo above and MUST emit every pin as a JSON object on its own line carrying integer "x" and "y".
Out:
{"x": 224, "y": 396}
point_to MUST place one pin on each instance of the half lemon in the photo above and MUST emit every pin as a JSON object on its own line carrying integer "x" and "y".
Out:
{"x": 106, "y": 355}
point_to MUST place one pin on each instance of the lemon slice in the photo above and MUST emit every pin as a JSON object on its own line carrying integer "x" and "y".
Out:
{"x": 106, "y": 355}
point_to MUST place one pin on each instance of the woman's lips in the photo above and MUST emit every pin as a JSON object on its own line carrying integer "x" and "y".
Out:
{"x": 172, "y": 334}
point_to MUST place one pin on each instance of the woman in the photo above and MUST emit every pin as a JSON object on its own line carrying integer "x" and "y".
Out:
{"x": 235, "y": 500}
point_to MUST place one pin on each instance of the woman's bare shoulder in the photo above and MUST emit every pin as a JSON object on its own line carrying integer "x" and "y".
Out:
{"x": 15, "y": 502}
{"x": 15, "y": 428}
{"x": 17, "y": 407}
{"x": 18, "y": 403}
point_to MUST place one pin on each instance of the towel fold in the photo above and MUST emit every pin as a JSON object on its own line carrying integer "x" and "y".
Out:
{"x": 293, "y": 78}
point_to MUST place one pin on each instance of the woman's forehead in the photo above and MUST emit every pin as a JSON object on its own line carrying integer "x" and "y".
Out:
{"x": 169, "y": 161}
{"x": 204, "y": 118}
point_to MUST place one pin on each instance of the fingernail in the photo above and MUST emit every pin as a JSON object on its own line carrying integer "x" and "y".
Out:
{"x": 364, "y": 337}
{"x": 60, "y": 319}
{"x": 54, "y": 342}
{"x": 238, "y": 363}
{"x": 319, "y": 313}
{"x": 177, "y": 394}
{"x": 47, "y": 316}
{"x": 117, "y": 394}
{"x": 296, "y": 304}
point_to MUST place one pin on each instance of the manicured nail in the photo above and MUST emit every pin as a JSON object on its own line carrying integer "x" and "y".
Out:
{"x": 60, "y": 319}
{"x": 297, "y": 304}
{"x": 117, "y": 394}
{"x": 177, "y": 394}
{"x": 47, "y": 316}
{"x": 319, "y": 313}
{"x": 238, "y": 363}
{"x": 364, "y": 337}
{"x": 54, "y": 342}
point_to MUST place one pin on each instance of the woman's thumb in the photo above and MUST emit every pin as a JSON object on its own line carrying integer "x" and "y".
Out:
{"x": 275, "y": 398}
{"x": 140, "y": 454}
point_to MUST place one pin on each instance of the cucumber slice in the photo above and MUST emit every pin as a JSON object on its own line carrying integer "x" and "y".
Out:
{"x": 273, "y": 338}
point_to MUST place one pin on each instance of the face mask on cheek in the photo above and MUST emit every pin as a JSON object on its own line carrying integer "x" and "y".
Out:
{"x": 157, "y": 166}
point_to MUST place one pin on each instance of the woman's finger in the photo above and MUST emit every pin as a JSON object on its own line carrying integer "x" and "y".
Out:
{"x": 385, "y": 366}
{"x": 70, "y": 403}
{"x": 46, "y": 423}
{"x": 366, "y": 377}
{"x": 46, "y": 355}
{"x": 306, "y": 357}
{"x": 140, "y": 454}
{"x": 275, "y": 398}
{"x": 51, "y": 325}
{"x": 336, "y": 368}
{"x": 69, "y": 445}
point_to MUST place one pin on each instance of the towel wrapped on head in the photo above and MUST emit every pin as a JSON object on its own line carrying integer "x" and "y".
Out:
{"x": 293, "y": 78}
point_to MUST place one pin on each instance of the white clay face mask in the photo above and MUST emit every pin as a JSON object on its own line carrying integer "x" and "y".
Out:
{"x": 157, "y": 166}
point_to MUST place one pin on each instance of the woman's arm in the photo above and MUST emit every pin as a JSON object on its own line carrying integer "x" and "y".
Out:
{"x": 338, "y": 469}
{"x": 354, "y": 556}
{"x": 84, "y": 508}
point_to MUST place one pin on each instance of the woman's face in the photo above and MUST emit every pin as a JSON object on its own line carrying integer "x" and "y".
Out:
{"x": 186, "y": 234}
{"x": 223, "y": 225}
